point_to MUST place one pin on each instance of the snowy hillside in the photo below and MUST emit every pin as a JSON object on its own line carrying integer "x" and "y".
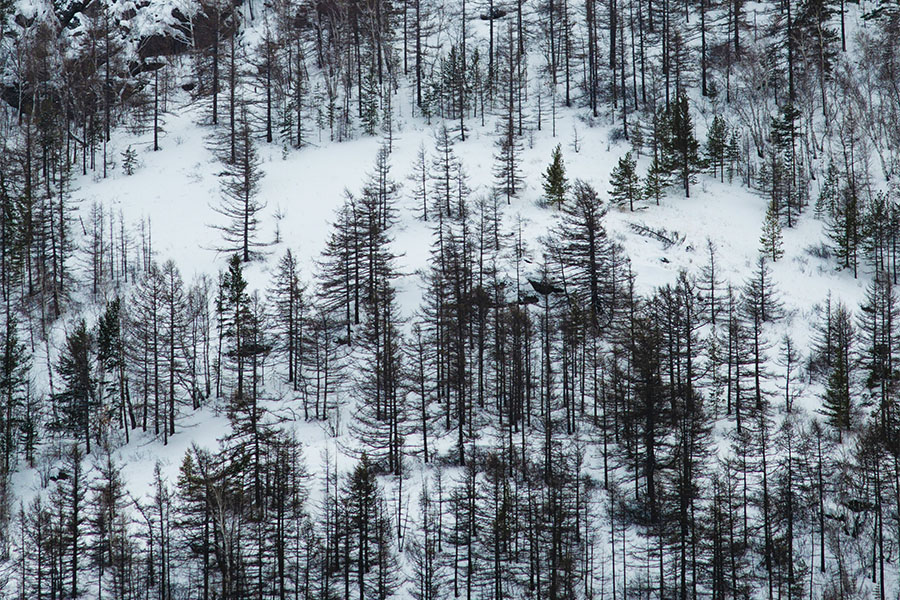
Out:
{"x": 421, "y": 300}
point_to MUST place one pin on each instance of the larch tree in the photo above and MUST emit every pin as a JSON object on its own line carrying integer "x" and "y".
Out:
{"x": 239, "y": 203}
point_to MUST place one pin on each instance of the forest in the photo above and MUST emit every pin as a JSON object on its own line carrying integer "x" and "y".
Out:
{"x": 431, "y": 299}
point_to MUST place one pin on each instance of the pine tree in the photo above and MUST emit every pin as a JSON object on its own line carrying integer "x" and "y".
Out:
{"x": 837, "y": 404}
{"x": 681, "y": 147}
{"x": 146, "y": 350}
{"x": 583, "y": 253}
{"x": 657, "y": 180}
{"x": 247, "y": 444}
{"x": 15, "y": 365}
{"x": 290, "y": 536}
{"x": 448, "y": 181}
{"x": 157, "y": 515}
{"x": 789, "y": 358}
{"x": 129, "y": 161}
{"x": 555, "y": 182}
{"x": 759, "y": 304}
{"x": 112, "y": 363}
{"x": 760, "y": 295}
{"x": 770, "y": 241}
{"x": 428, "y": 577}
{"x": 340, "y": 271}
{"x": 717, "y": 145}
{"x": 196, "y": 487}
{"x": 40, "y": 549}
{"x": 637, "y": 138}
{"x": 710, "y": 283}
{"x": 369, "y": 553}
{"x": 626, "y": 185}
{"x": 75, "y": 405}
{"x": 733, "y": 155}
{"x": 370, "y": 96}
{"x": 829, "y": 193}
{"x": 815, "y": 38}
{"x": 779, "y": 175}
{"x": 237, "y": 321}
{"x": 845, "y": 229}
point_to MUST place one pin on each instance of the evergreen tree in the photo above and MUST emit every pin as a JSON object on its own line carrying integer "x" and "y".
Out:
{"x": 157, "y": 515}
{"x": 879, "y": 231}
{"x": 583, "y": 254}
{"x": 770, "y": 241}
{"x": 829, "y": 193}
{"x": 733, "y": 155}
{"x": 837, "y": 403}
{"x": 112, "y": 366}
{"x": 428, "y": 578}
{"x": 370, "y": 99}
{"x": 717, "y": 145}
{"x": 419, "y": 179}
{"x": 40, "y": 550}
{"x": 626, "y": 185}
{"x": 812, "y": 32}
{"x": 710, "y": 282}
{"x": 760, "y": 295}
{"x": 555, "y": 182}
{"x": 340, "y": 271}
{"x": 15, "y": 366}
{"x": 173, "y": 339}
{"x": 194, "y": 513}
{"x": 129, "y": 161}
{"x": 845, "y": 229}
{"x": 238, "y": 327}
{"x": 248, "y": 442}
{"x": 369, "y": 553}
{"x": 75, "y": 406}
{"x": 657, "y": 180}
{"x": 448, "y": 181}
{"x": 682, "y": 155}
{"x": 779, "y": 175}
{"x": 147, "y": 323}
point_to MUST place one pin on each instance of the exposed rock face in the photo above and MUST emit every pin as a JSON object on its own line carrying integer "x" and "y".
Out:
{"x": 173, "y": 33}
{"x": 10, "y": 94}
{"x": 197, "y": 32}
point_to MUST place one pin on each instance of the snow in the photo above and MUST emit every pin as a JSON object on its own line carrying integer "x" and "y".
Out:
{"x": 175, "y": 188}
